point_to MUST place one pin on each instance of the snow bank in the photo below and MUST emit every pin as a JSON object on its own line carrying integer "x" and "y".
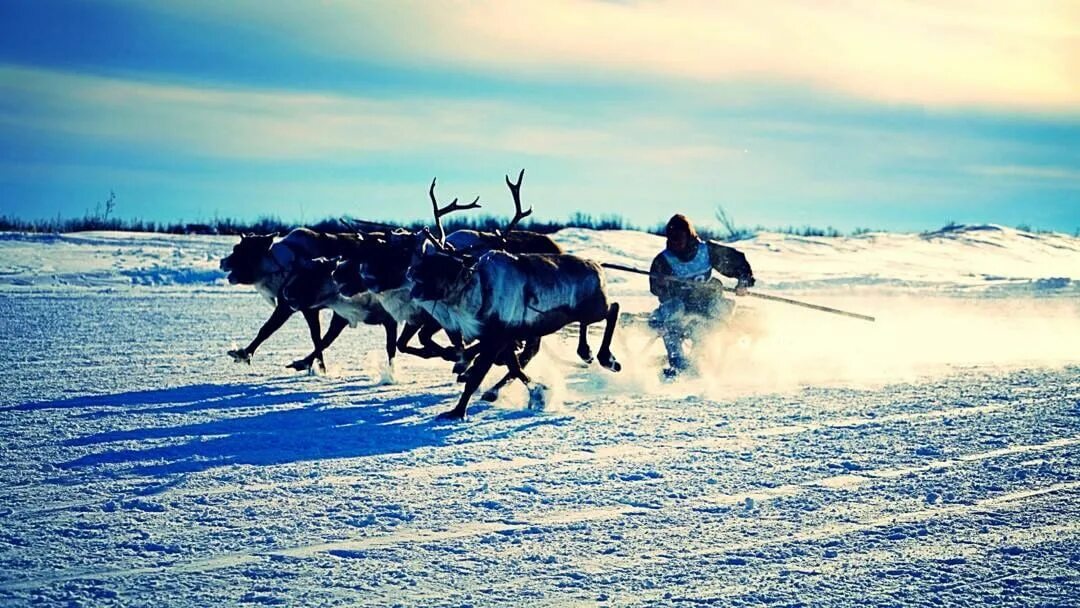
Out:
{"x": 46, "y": 262}
{"x": 974, "y": 258}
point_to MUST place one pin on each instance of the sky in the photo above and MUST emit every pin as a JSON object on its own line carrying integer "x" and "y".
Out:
{"x": 895, "y": 115}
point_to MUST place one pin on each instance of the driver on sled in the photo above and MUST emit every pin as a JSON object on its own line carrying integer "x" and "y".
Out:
{"x": 692, "y": 302}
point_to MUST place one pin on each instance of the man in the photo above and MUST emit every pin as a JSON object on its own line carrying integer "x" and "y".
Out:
{"x": 691, "y": 300}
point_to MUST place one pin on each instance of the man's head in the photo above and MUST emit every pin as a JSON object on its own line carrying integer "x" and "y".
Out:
{"x": 681, "y": 236}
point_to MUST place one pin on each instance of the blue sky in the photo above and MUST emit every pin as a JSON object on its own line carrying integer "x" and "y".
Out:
{"x": 894, "y": 115}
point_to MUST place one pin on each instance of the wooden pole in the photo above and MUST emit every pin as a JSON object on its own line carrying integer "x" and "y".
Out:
{"x": 762, "y": 296}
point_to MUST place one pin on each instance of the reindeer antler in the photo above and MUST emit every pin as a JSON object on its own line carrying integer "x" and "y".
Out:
{"x": 515, "y": 190}
{"x": 453, "y": 206}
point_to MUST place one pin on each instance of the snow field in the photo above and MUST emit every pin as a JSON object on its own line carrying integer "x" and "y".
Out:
{"x": 931, "y": 458}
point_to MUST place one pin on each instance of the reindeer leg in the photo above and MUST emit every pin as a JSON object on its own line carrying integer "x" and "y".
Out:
{"x": 407, "y": 334}
{"x": 492, "y": 393}
{"x": 337, "y": 324}
{"x": 312, "y": 318}
{"x": 276, "y": 320}
{"x": 604, "y": 356}
{"x": 430, "y": 348}
{"x": 462, "y": 357}
{"x": 532, "y": 346}
{"x": 468, "y": 362}
{"x": 467, "y": 355}
{"x": 480, "y": 368}
{"x": 391, "y": 340}
{"x": 427, "y": 332}
{"x": 583, "y": 349}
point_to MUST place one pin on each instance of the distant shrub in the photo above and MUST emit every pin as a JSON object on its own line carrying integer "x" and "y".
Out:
{"x": 947, "y": 228}
{"x": 1029, "y": 228}
{"x": 102, "y": 219}
{"x": 273, "y": 224}
{"x": 730, "y": 231}
{"x": 828, "y": 231}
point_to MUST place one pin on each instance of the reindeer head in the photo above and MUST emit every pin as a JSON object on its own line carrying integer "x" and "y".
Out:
{"x": 440, "y": 273}
{"x": 388, "y": 268}
{"x": 245, "y": 263}
{"x": 347, "y": 271}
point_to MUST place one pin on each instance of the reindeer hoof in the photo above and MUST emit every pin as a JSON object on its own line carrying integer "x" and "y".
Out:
{"x": 464, "y": 375}
{"x": 586, "y": 355}
{"x": 460, "y": 367}
{"x": 610, "y": 363}
{"x": 240, "y": 355}
{"x": 452, "y": 415}
{"x": 490, "y": 395}
{"x": 300, "y": 365}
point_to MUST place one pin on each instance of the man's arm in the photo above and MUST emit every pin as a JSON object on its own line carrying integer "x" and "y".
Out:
{"x": 731, "y": 262}
{"x": 660, "y": 287}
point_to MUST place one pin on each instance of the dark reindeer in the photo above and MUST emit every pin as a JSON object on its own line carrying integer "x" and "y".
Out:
{"x": 502, "y": 298}
{"x": 379, "y": 266}
{"x": 381, "y": 257}
{"x": 279, "y": 268}
{"x": 313, "y": 288}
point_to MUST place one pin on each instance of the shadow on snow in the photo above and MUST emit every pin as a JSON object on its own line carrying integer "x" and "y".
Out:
{"x": 313, "y": 430}
{"x": 178, "y": 400}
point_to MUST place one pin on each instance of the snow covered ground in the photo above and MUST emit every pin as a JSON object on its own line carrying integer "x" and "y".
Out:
{"x": 930, "y": 458}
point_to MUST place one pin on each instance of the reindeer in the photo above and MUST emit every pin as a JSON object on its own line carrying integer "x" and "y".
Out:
{"x": 385, "y": 272}
{"x": 354, "y": 276}
{"x": 502, "y": 298}
{"x": 313, "y": 288}
{"x": 275, "y": 268}
{"x": 379, "y": 266}
{"x": 513, "y": 241}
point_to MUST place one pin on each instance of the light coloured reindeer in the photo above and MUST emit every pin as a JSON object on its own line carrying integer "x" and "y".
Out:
{"x": 501, "y": 298}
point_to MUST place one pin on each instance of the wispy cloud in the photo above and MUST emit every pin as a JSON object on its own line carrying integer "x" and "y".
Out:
{"x": 1004, "y": 54}
{"x": 278, "y": 125}
{"x": 220, "y": 122}
{"x": 1061, "y": 175}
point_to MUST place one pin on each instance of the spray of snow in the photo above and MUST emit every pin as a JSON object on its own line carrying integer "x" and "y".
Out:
{"x": 548, "y": 390}
{"x": 772, "y": 347}
{"x": 549, "y": 381}
{"x": 384, "y": 370}
{"x": 783, "y": 347}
